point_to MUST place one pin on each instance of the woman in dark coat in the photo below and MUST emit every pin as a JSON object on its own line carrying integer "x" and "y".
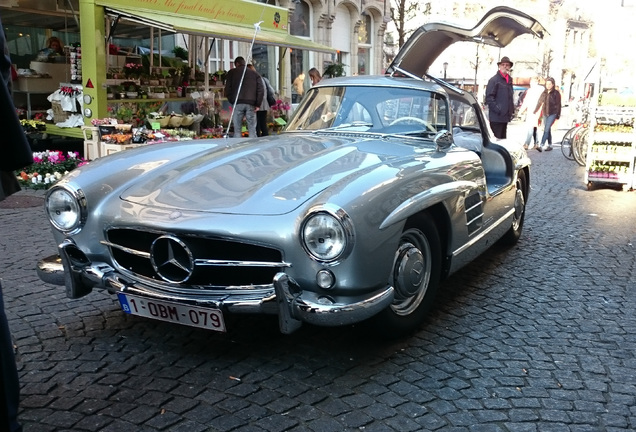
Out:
{"x": 550, "y": 103}
{"x": 16, "y": 154}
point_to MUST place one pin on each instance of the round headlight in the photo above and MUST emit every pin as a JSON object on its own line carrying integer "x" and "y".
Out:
{"x": 324, "y": 237}
{"x": 63, "y": 209}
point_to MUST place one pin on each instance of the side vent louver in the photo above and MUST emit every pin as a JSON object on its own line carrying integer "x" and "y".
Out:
{"x": 474, "y": 213}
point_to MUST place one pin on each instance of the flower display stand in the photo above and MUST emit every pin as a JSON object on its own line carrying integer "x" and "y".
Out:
{"x": 611, "y": 152}
{"x": 107, "y": 148}
{"x": 92, "y": 148}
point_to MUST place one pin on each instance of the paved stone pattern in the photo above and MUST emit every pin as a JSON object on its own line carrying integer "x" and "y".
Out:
{"x": 540, "y": 337}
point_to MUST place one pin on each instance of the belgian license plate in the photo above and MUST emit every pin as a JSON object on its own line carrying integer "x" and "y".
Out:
{"x": 211, "y": 319}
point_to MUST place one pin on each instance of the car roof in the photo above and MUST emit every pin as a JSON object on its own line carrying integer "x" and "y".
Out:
{"x": 498, "y": 27}
{"x": 378, "y": 80}
{"x": 398, "y": 81}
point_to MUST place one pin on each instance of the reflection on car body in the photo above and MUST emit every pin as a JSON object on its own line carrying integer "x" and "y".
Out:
{"x": 356, "y": 211}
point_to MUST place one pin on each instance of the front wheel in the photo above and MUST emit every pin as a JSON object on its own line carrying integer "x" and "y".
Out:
{"x": 415, "y": 278}
{"x": 512, "y": 235}
{"x": 579, "y": 146}
{"x": 566, "y": 143}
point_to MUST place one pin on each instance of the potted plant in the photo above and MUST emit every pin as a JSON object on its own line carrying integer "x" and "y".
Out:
{"x": 180, "y": 52}
{"x": 144, "y": 79}
{"x": 119, "y": 92}
{"x": 132, "y": 70}
{"x": 154, "y": 79}
{"x": 220, "y": 77}
{"x": 110, "y": 93}
{"x": 132, "y": 91}
{"x": 334, "y": 70}
{"x": 165, "y": 73}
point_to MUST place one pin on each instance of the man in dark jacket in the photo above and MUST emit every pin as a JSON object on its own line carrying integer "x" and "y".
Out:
{"x": 248, "y": 82}
{"x": 499, "y": 98}
{"x": 16, "y": 154}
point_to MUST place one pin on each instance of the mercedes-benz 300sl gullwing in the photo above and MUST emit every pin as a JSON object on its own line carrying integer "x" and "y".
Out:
{"x": 379, "y": 188}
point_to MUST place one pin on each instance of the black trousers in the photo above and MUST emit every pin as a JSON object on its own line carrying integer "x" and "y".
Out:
{"x": 261, "y": 123}
{"x": 499, "y": 129}
{"x": 9, "y": 385}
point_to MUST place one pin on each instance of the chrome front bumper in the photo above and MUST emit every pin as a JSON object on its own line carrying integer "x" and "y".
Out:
{"x": 294, "y": 306}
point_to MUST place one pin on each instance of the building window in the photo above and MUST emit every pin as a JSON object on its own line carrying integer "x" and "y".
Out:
{"x": 299, "y": 20}
{"x": 299, "y": 25}
{"x": 365, "y": 32}
{"x": 299, "y": 61}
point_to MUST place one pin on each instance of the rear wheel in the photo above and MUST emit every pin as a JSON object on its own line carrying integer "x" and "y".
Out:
{"x": 415, "y": 278}
{"x": 512, "y": 235}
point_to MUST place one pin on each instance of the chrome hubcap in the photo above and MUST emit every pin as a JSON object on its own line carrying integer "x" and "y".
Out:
{"x": 411, "y": 273}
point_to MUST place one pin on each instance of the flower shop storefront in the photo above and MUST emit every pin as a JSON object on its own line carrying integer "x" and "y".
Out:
{"x": 128, "y": 87}
{"x": 152, "y": 92}
{"x": 126, "y": 100}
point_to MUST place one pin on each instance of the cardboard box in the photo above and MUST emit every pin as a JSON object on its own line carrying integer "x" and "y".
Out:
{"x": 37, "y": 84}
{"x": 60, "y": 72}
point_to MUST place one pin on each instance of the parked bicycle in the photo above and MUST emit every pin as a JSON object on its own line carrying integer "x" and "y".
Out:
{"x": 574, "y": 142}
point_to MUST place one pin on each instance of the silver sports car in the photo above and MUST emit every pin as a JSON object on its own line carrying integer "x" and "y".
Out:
{"x": 380, "y": 187}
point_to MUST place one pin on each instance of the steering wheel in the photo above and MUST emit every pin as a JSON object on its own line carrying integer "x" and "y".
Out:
{"x": 413, "y": 120}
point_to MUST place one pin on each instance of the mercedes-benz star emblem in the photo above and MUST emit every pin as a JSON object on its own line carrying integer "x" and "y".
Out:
{"x": 171, "y": 259}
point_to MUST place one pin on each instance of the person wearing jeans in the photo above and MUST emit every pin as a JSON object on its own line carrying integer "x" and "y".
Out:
{"x": 550, "y": 103}
{"x": 244, "y": 89}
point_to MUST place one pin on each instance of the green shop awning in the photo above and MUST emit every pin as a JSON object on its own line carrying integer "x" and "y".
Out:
{"x": 188, "y": 24}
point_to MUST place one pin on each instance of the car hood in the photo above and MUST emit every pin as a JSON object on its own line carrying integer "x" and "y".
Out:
{"x": 266, "y": 176}
{"x": 498, "y": 28}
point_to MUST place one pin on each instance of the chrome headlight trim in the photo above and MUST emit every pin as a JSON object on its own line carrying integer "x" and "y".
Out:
{"x": 333, "y": 222}
{"x": 66, "y": 208}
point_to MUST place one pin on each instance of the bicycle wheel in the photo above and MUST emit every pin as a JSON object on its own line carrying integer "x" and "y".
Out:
{"x": 566, "y": 143}
{"x": 579, "y": 146}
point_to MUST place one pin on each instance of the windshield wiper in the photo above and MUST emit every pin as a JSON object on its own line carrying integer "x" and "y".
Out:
{"x": 346, "y": 125}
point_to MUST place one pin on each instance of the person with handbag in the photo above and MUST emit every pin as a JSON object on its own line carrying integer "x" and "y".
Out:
{"x": 268, "y": 102}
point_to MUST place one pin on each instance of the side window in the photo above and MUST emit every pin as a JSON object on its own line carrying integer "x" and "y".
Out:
{"x": 463, "y": 115}
{"x": 466, "y": 130}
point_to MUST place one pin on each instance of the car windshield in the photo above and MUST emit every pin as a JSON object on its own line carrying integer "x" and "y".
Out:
{"x": 385, "y": 110}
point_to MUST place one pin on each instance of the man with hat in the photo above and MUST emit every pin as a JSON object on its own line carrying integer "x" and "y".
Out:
{"x": 499, "y": 98}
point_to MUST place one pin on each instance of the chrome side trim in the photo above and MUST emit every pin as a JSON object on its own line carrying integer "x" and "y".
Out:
{"x": 475, "y": 219}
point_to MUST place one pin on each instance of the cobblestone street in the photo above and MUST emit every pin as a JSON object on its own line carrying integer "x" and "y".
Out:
{"x": 540, "y": 337}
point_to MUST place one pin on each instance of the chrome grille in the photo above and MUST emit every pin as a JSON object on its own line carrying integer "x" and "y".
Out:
{"x": 218, "y": 263}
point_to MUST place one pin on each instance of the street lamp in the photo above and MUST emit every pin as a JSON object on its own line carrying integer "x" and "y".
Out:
{"x": 445, "y": 67}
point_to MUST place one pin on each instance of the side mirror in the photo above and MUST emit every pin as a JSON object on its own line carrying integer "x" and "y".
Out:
{"x": 443, "y": 140}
